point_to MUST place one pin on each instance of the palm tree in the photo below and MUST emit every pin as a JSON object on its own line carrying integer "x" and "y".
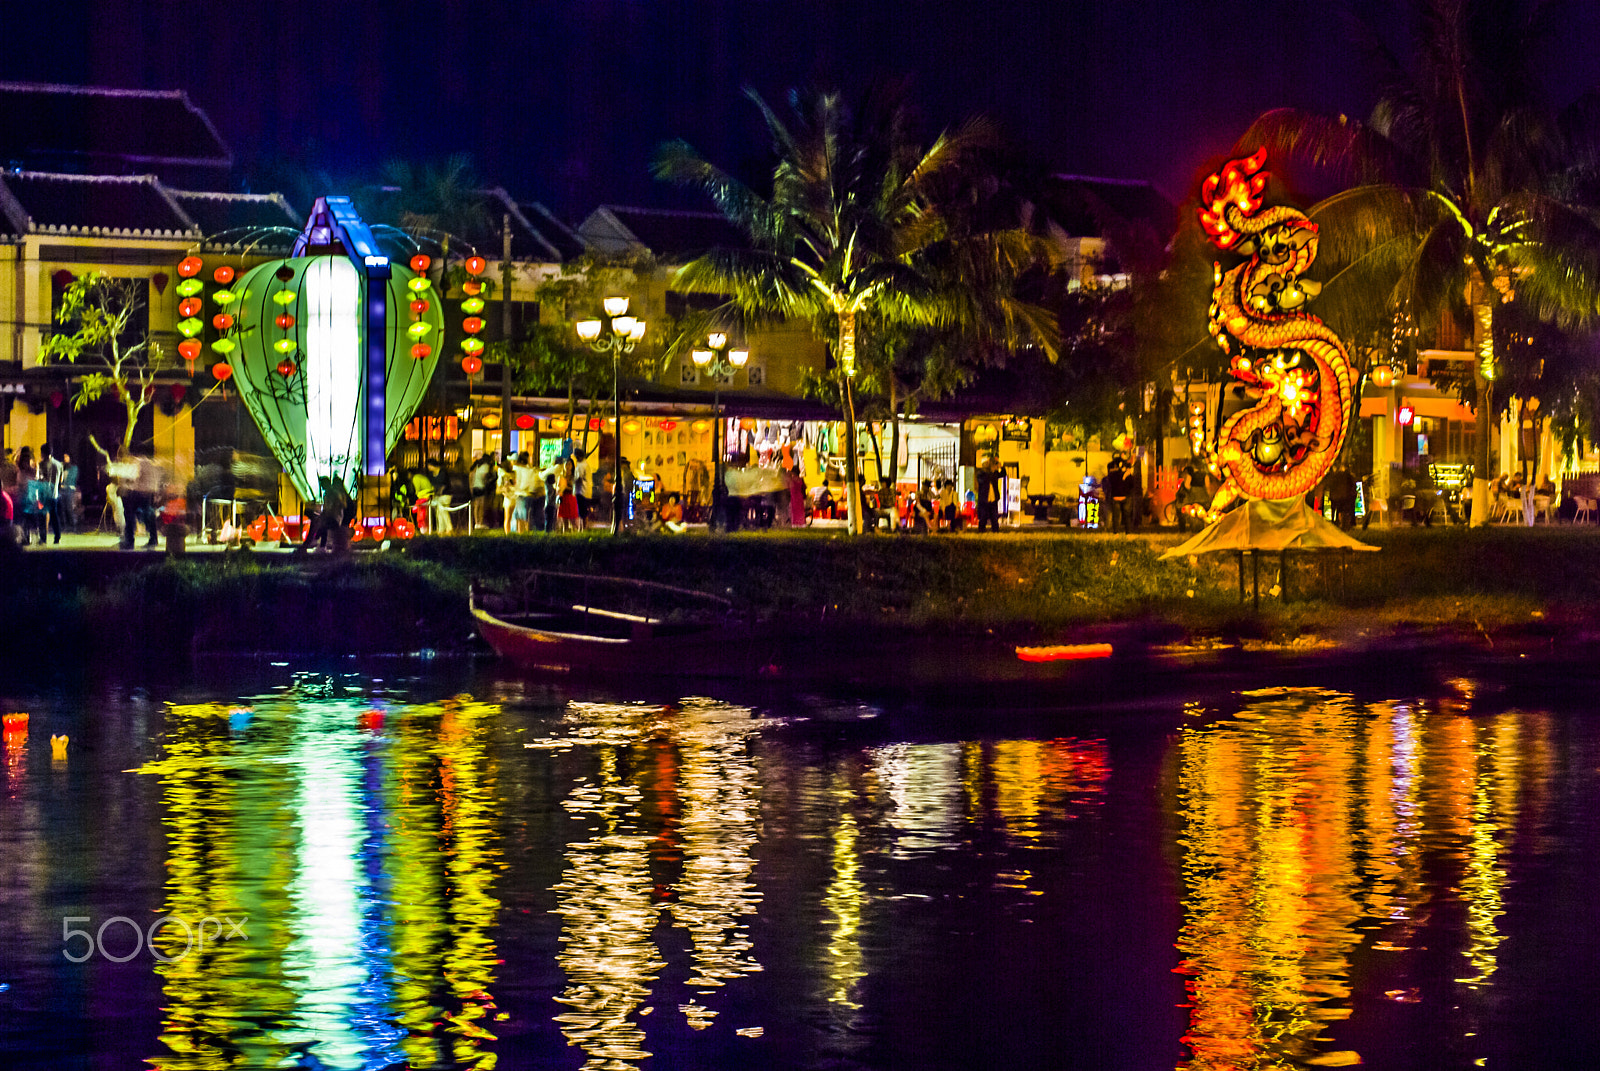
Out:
{"x": 1460, "y": 189}
{"x": 853, "y": 236}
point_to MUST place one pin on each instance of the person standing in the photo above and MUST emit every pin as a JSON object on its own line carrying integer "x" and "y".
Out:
{"x": 552, "y": 501}
{"x": 49, "y": 493}
{"x": 530, "y": 495}
{"x": 567, "y": 513}
{"x": 1114, "y": 491}
{"x": 797, "y": 497}
{"x": 28, "y": 499}
{"x": 947, "y": 503}
{"x": 580, "y": 486}
{"x": 481, "y": 485}
{"x": 67, "y": 500}
{"x": 988, "y": 488}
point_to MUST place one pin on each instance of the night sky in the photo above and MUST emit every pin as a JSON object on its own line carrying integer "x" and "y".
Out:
{"x": 565, "y": 102}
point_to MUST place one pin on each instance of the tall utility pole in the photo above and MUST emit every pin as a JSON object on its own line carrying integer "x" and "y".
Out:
{"x": 505, "y": 334}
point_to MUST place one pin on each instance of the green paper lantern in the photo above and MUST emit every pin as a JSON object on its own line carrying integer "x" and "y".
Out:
{"x": 190, "y": 327}
{"x": 472, "y": 305}
{"x": 224, "y": 297}
{"x": 224, "y": 346}
{"x": 419, "y": 329}
{"x": 314, "y": 420}
{"x": 190, "y": 287}
{"x": 419, "y": 283}
{"x": 472, "y": 346}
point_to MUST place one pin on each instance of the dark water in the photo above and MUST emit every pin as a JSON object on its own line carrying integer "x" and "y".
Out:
{"x": 353, "y": 871}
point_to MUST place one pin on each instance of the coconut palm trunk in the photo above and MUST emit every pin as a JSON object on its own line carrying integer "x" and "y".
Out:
{"x": 847, "y": 371}
{"x": 1483, "y": 376}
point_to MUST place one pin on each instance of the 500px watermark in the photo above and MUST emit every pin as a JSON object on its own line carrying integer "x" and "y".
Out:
{"x": 209, "y": 930}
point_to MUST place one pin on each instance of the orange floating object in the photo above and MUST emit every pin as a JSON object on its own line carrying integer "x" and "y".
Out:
{"x": 189, "y": 267}
{"x": 223, "y": 275}
{"x": 371, "y": 720}
{"x": 189, "y": 349}
{"x": 1066, "y": 652}
{"x": 420, "y": 262}
{"x": 16, "y": 723}
{"x": 190, "y": 306}
{"x": 475, "y": 265}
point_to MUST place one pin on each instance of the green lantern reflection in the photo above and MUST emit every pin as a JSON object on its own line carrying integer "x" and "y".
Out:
{"x": 367, "y": 937}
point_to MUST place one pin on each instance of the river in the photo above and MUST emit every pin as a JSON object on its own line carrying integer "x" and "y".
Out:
{"x": 448, "y": 867}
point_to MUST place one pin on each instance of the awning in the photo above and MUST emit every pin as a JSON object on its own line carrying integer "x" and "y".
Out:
{"x": 1281, "y": 524}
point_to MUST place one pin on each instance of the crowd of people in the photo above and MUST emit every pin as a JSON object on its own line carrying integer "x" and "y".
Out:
{"x": 38, "y": 495}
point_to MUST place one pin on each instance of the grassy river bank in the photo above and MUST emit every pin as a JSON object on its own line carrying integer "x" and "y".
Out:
{"x": 1446, "y": 584}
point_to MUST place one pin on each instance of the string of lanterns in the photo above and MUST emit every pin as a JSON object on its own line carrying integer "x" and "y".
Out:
{"x": 472, "y": 305}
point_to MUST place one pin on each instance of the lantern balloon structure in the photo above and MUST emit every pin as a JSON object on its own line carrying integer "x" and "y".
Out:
{"x": 471, "y": 365}
{"x": 313, "y": 410}
{"x": 475, "y": 265}
{"x": 189, "y": 267}
{"x": 222, "y": 371}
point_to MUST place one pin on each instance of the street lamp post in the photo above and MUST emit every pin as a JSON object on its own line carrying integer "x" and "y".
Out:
{"x": 618, "y": 337}
{"x": 717, "y": 361}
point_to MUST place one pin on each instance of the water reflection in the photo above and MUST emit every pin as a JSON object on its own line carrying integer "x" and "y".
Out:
{"x": 1314, "y": 832}
{"x": 683, "y": 851}
{"x": 363, "y": 857}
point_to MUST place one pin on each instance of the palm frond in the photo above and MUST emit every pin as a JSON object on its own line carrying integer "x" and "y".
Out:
{"x": 1558, "y": 267}
{"x": 1350, "y": 152}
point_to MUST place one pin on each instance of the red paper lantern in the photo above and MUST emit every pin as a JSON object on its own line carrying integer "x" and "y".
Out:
{"x": 524, "y": 421}
{"x": 189, "y": 267}
{"x": 594, "y": 423}
{"x": 56, "y": 398}
{"x": 471, "y": 365}
{"x": 420, "y": 262}
{"x": 178, "y": 391}
{"x": 472, "y": 288}
{"x": 284, "y": 320}
{"x": 668, "y": 425}
{"x": 475, "y": 265}
{"x": 222, "y": 371}
{"x": 222, "y": 321}
{"x": 285, "y": 368}
{"x": 419, "y": 306}
{"x": 223, "y": 275}
{"x": 159, "y": 281}
{"x": 190, "y": 307}
{"x": 472, "y": 325}
{"x": 189, "y": 349}
{"x": 421, "y": 351}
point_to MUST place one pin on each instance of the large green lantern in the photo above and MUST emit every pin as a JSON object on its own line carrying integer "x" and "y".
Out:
{"x": 302, "y": 359}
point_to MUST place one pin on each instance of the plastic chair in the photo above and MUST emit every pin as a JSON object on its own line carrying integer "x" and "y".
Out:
{"x": 1586, "y": 509}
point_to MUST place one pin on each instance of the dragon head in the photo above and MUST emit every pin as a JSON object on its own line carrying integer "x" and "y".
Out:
{"x": 1239, "y": 184}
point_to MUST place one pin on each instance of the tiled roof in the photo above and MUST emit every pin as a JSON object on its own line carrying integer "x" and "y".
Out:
{"x": 134, "y": 206}
{"x": 93, "y": 128}
{"x": 536, "y": 234}
{"x": 671, "y": 235}
{"x": 1077, "y": 203}
{"x": 231, "y": 218}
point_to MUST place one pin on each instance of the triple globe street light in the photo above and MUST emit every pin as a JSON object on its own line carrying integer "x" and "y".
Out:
{"x": 617, "y": 337}
{"x": 719, "y": 361}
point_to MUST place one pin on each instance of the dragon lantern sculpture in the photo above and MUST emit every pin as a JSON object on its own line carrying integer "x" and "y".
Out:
{"x": 1292, "y": 364}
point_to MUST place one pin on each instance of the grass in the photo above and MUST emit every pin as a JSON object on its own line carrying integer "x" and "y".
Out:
{"x": 1450, "y": 581}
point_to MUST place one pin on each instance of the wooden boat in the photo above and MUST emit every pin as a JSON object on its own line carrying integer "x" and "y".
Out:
{"x": 573, "y": 622}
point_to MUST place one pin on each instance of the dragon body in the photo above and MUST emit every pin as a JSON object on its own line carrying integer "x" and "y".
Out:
{"x": 1292, "y": 364}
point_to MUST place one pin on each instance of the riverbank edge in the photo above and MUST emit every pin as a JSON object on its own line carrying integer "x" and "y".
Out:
{"x": 1449, "y": 587}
